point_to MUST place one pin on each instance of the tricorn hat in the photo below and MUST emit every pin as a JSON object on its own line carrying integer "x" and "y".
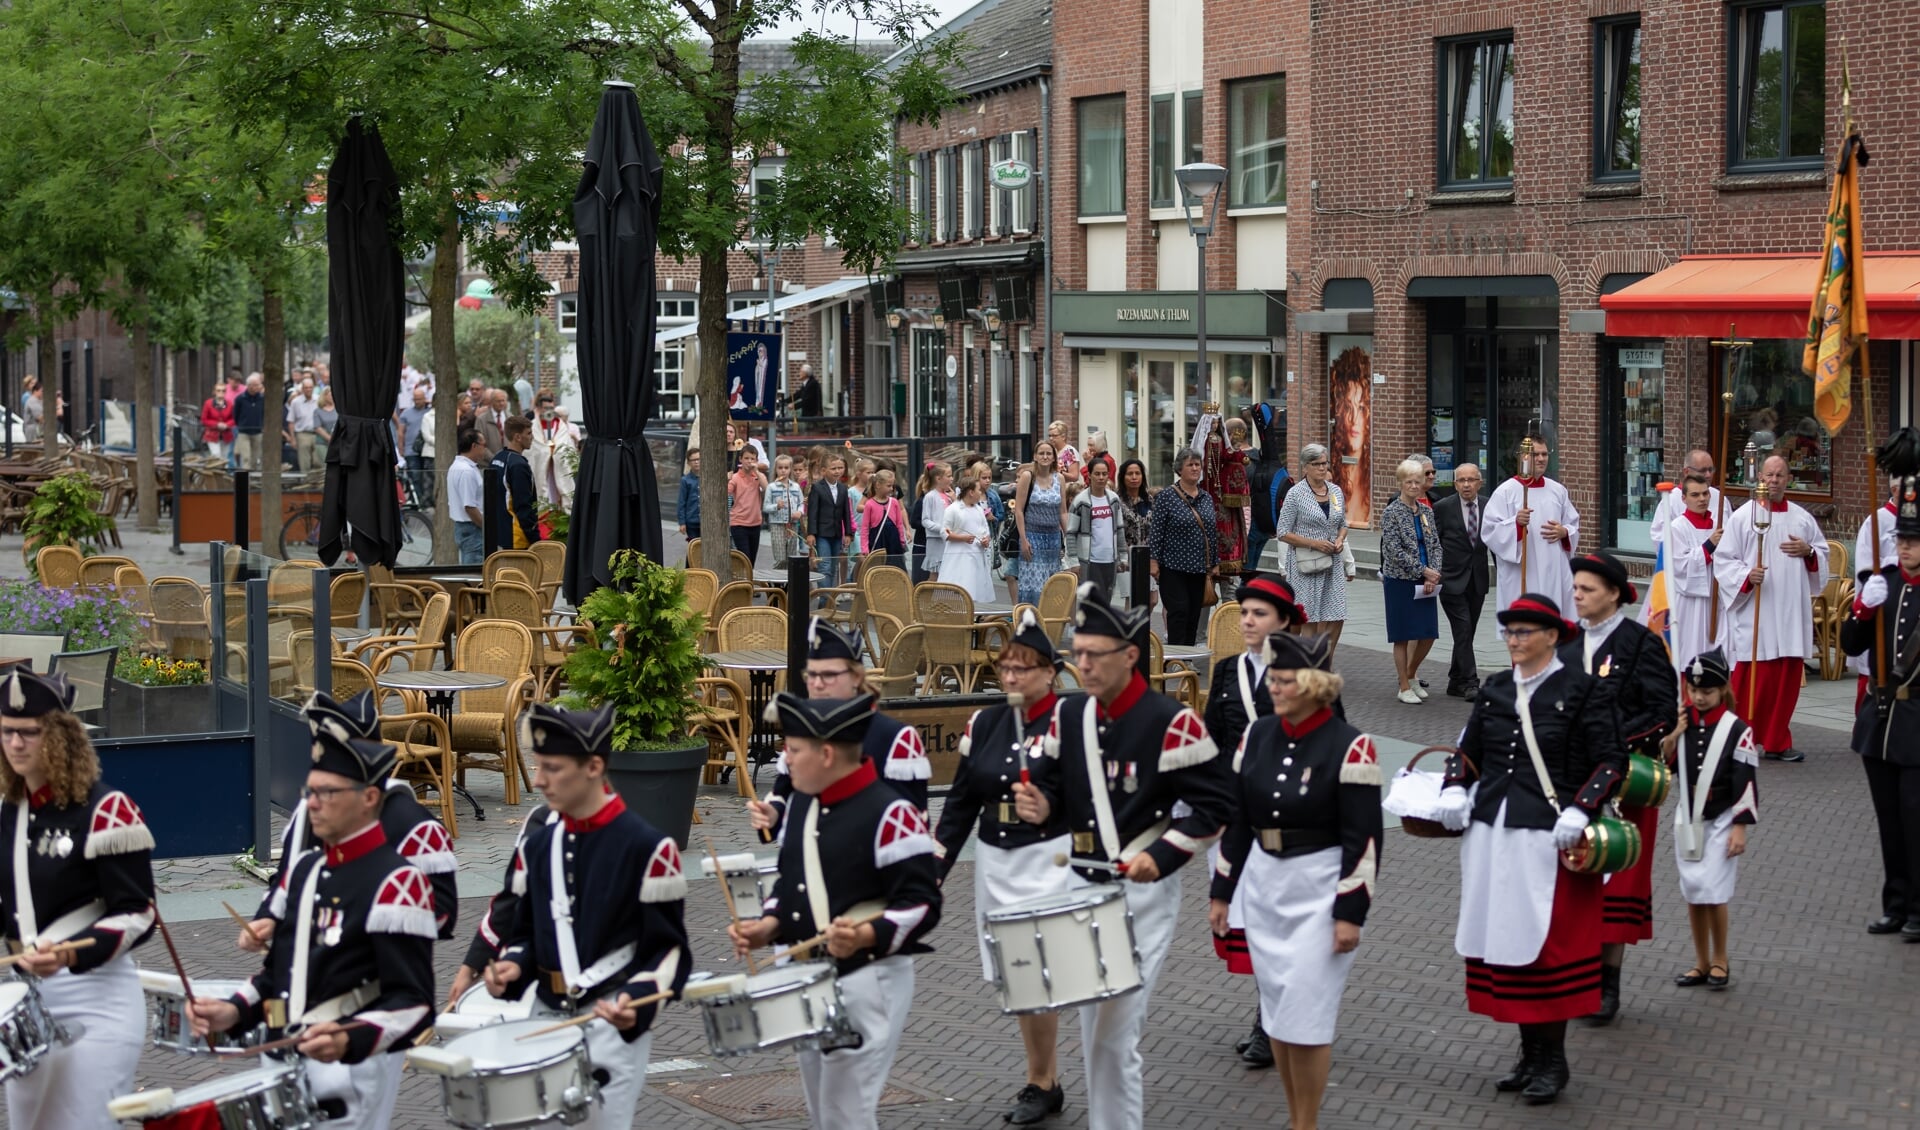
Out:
{"x": 1028, "y": 632}
{"x": 824, "y": 719}
{"x": 570, "y": 733}
{"x": 1708, "y": 669}
{"x": 1288, "y": 652}
{"x": 1094, "y": 615}
{"x": 28, "y": 695}
{"x": 369, "y": 763}
{"x": 824, "y": 641}
{"x": 357, "y": 717}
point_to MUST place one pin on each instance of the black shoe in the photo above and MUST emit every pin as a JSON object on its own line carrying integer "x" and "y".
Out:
{"x": 1691, "y": 979}
{"x": 1255, "y": 1035}
{"x": 1552, "y": 1076}
{"x": 1423, "y": 685}
{"x": 1455, "y": 690}
{"x": 1524, "y": 1070}
{"x": 1609, "y": 997}
{"x": 1259, "y": 1053}
{"x": 1788, "y": 755}
{"x": 1911, "y": 931}
{"x": 1886, "y": 924}
{"x": 1033, "y": 1104}
{"x": 1720, "y": 980}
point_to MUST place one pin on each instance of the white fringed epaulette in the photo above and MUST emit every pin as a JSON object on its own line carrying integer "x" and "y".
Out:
{"x": 1744, "y": 751}
{"x": 428, "y": 847}
{"x": 966, "y": 736}
{"x": 404, "y": 905}
{"x": 902, "y": 834}
{"x": 1186, "y": 743}
{"x": 664, "y": 881}
{"x": 117, "y": 827}
{"x": 1050, "y": 745}
{"x": 907, "y": 757}
{"x": 1361, "y": 766}
{"x": 517, "y": 882}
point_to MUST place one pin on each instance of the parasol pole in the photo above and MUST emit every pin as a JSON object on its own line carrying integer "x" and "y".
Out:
{"x": 1526, "y": 472}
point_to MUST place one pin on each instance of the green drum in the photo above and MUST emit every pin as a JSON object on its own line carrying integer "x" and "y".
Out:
{"x": 1648, "y": 780}
{"x": 1610, "y": 845}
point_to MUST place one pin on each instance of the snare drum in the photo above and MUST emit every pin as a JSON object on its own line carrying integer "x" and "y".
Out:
{"x": 1608, "y": 845}
{"x": 787, "y": 1005}
{"x": 1648, "y": 780}
{"x": 169, "y": 1024}
{"x": 27, "y": 1030}
{"x": 749, "y": 877}
{"x": 271, "y": 1098}
{"x": 477, "y": 1008}
{"x": 1064, "y": 949}
{"x": 491, "y": 1079}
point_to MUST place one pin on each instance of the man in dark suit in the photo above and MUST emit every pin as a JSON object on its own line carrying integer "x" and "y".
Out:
{"x": 829, "y": 520}
{"x": 1463, "y": 576}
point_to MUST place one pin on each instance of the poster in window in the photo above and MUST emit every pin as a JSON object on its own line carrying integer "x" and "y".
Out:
{"x": 1350, "y": 389}
{"x": 753, "y": 370}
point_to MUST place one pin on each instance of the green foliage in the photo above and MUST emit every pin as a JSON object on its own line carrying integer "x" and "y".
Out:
{"x": 64, "y": 509}
{"x": 493, "y": 343}
{"x": 646, "y": 654}
{"x": 90, "y": 619}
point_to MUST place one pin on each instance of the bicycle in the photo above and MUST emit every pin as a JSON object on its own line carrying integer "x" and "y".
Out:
{"x": 416, "y": 531}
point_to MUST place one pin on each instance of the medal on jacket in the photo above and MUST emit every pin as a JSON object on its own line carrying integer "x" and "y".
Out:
{"x": 1132, "y": 782}
{"x": 1606, "y": 666}
{"x": 56, "y": 844}
{"x": 330, "y": 920}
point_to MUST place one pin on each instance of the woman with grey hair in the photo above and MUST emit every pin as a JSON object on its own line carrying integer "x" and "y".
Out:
{"x": 1410, "y": 577}
{"x": 1312, "y": 524}
{"x": 1184, "y": 544}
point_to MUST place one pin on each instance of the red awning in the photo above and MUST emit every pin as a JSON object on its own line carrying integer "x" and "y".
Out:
{"x": 1765, "y": 295}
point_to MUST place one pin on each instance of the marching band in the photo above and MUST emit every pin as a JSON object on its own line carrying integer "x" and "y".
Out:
{"x": 1083, "y": 809}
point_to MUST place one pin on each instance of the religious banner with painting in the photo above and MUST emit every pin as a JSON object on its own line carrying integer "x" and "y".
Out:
{"x": 753, "y": 370}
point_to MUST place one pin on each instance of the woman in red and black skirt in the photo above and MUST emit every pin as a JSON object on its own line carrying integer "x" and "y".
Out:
{"x": 1542, "y": 746}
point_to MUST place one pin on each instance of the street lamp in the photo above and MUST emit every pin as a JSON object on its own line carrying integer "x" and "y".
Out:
{"x": 1200, "y": 191}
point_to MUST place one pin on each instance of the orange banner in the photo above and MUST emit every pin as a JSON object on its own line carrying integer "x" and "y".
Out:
{"x": 1837, "y": 321}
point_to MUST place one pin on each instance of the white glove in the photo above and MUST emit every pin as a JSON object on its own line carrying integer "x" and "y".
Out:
{"x": 1567, "y": 830}
{"x": 1873, "y": 593}
{"x": 1455, "y": 809}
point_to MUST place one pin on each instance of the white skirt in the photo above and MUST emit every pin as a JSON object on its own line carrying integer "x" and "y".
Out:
{"x": 1002, "y": 876}
{"x": 1507, "y": 879}
{"x": 1710, "y": 881}
{"x": 1289, "y": 912}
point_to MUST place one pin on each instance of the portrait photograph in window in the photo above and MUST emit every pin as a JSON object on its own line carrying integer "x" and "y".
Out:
{"x": 1772, "y": 409}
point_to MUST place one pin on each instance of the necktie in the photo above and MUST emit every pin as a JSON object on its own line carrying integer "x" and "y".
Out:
{"x": 1473, "y": 524}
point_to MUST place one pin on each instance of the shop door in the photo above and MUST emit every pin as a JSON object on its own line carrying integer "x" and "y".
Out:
{"x": 1487, "y": 383}
{"x": 930, "y": 382}
{"x": 1634, "y": 453}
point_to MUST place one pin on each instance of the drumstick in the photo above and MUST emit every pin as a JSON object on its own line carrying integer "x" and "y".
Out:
{"x": 166, "y": 936}
{"x": 590, "y": 1017}
{"x": 61, "y": 947}
{"x": 239, "y": 920}
{"x": 733, "y": 912}
{"x": 1062, "y": 859}
{"x": 1018, "y": 702}
{"x": 821, "y": 937}
{"x": 287, "y": 1042}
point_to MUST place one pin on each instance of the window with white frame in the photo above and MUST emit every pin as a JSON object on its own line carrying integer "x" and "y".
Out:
{"x": 764, "y": 181}
{"x": 566, "y": 313}
{"x": 1257, "y": 142}
{"x": 671, "y": 382}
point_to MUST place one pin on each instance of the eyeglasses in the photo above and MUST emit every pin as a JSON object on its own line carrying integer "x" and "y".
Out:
{"x": 1016, "y": 669}
{"x": 825, "y": 676}
{"x": 20, "y": 733}
{"x": 1082, "y": 655}
{"x": 1520, "y": 634}
{"x": 328, "y": 792}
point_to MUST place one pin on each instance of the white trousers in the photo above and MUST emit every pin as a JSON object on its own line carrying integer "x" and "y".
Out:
{"x": 71, "y": 1086}
{"x": 626, "y": 1067}
{"x": 369, "y": 1088}
{"x": 1110, "y": 1031}
{"x": 843, "y": 1087}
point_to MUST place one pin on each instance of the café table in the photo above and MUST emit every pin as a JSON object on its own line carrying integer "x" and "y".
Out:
{"x": 440, "y": 689}
{"x": 763, "y": 666}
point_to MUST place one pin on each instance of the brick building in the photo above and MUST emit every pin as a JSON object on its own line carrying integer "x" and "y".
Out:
{"x": 970, "y": 284}
{"x": 1542, "y": 209}
{"x": 1142, "y": 87}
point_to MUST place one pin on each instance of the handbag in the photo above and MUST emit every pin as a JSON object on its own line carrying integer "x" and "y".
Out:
{"x": 1311, "y": 561}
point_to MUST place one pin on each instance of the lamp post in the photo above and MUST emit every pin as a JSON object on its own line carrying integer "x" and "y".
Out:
{"x": 1200, "y": 190}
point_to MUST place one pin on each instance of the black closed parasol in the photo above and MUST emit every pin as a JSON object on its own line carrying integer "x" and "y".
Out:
{"x": 616, "y": 216}
{"x": 366, "y": 307}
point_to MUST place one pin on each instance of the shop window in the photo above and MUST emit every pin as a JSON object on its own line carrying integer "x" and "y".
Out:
{"x": 1257, "y": 142}
{"x": 1777, "y": 71}
{"x": 567, "y": 313}
{"x": 1772, "y": 410}
{"x": 1476, "y": 112}
{"x": 1616, "y": 100}
{"x": 1103, "y": 156}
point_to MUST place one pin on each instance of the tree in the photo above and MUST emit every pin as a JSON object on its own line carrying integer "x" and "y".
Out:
{"x": 494, "y": 343}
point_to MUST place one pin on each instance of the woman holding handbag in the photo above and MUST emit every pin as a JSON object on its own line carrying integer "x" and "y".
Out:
{"x": 1410, "y": 579}
{"x": 1181, "y": 535}
{"x": 1313, "y": 525}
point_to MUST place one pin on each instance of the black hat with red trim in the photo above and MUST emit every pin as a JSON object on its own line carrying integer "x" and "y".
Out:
{"x": 1608, "y": 568}
{"x": 1275, "y": 591}
{"x": 1536, "y": 608}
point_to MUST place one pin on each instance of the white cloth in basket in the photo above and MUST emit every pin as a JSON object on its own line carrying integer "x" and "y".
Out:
{"x": 1415, "y": 793}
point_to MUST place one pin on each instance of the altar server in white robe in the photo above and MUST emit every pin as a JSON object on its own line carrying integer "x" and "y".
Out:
{"x": 1673, "y": 503}
{"x": 1691, "y": 541}
{"x": 1535, "y": 508}
{"x": 1782, "y": 573}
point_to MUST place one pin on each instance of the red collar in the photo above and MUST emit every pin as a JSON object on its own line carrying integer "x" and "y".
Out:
{"x": 1313, "y": 722}
{"x": 1700, "y": 521}
{"x": 614, "y": 807}
{"x": 1426, "y": 502}
{"x": 1130, "y": 694}
{"x": 1039, "y": 709}
{"x": 1910, "y": 578}
{"x": 1711, "y": 717}
{"x": 41, "y": 797}
{"x": 1778, "y": 506}
{"x": 1534, "y": 483}
{"x": 850, "y": 784}
{"x": 356, "y": 845}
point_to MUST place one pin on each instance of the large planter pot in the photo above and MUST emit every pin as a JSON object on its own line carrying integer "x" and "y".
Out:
{"x": 659, "y": 785}
{"x": 134, "y": 711}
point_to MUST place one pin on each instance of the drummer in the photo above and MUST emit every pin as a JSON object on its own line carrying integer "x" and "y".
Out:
{"x": 1144, "y": 790}
{"x": 883, "y": 865}
{"x": 1542, "y": 742}
{"x": 498, "y": 917}
{"x": 414, "y": 832}
{"x": 600, "y": 921}
{"x": 82, "y": 871}
{"x": 1238, "y": 695}
{"x": 1014, "y": 860}
{"x": 349, "y": 967}
{"x": 1311, "y": 882}
{"x": 834, "y": 671}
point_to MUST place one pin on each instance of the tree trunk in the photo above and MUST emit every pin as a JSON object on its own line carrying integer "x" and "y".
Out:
{"x": 141, "y": 344}
{"x": 711, "y": 388}
{"x": 49, "y": 351}
{"x": 446, "y": 375}
{"x": 273, "y": 369}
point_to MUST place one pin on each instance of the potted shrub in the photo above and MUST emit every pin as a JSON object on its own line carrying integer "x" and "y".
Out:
{"x": 644, "y": 659}
{"x": 158, "y": 694}
{"x": 64, "y": 510}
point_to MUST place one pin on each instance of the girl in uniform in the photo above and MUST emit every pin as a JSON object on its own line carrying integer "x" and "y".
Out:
{"x": 1716, "y": 762}
{"x": 1309, "y": 801}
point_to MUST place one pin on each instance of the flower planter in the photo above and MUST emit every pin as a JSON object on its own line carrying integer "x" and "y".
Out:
{"x": 135, "y": 711}
{"x": 659, "y": 785}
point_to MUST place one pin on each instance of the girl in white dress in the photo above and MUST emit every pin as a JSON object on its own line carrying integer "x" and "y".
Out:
{"x": 968, "y": 559}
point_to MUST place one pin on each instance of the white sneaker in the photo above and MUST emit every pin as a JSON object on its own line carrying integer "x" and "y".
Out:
{"x": 1410, "y": 698}
{"x": 1421, "y": 691}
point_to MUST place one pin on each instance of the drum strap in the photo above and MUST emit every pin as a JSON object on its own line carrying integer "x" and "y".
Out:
{"x": 817, "y": 901}
{"x": 1693, "y": 800}
{"x": 1246, "y": 692}
{"x": 560, "y": 903}
{"x": 73, "y": 921}
{"x": 302, "y": 940}
{"x": 22, "y": 889}
{"x": 1523, "y": 699}
{"x": 1097, "y": 780}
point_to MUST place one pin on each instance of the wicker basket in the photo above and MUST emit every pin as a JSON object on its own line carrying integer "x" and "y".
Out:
{"x": 1432, "y": 829}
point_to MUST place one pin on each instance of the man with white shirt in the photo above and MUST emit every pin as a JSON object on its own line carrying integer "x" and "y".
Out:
{"x": 301, "y": 409}
{"x": 1532, "y": 528}
{"x": 466, "y": 497}
{"x": 1696, "y": 616}
{"x": 1780, "y": 569}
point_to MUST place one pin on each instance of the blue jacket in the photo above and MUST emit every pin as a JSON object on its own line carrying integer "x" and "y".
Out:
{"x": 689, "y": 500}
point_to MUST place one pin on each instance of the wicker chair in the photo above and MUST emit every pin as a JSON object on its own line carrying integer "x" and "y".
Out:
{"x": 484, "y": 727}
{"x": 701, "y": 585}
{"x": 344, "y": 597}
{"x": 511, "y": 600}
{"x": 425, "y": 745}
{"x": 732, "y": 596}
{"x": 1223, "y": 635}
{"x": 180, "y": 617}
{"x": 889, "y": 605}
{"x": 1831, "y": 607}
{"x": 1166, "y": 682}
{"x": 472, "y": 602}
{"x": 946, "y": 612}
{"x": 398, "y": 603}
{"x": 720, "y": 716}
{"x": 742, "y": 567}
{"x": 553, "y": 570}
{"x": 753, "y": 628}
{"x": 419, "y": 648}
{"x": 852, "y": 614}
{"x": 900, "y": 678}
{"x": 1056, "y": 605}
{"x": 97, "y": 572}
{"x": 58, "y": 566}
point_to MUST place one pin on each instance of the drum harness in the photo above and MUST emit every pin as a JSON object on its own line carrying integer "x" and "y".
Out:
{"x": 1693, "y": 802}
{"x": 577, "y": 981}
{"x": 298, "y": 1016}
{"x": 1102, "y": 803}
{"x": 840, "y": 1032}
{"x": 61, "y": 928}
